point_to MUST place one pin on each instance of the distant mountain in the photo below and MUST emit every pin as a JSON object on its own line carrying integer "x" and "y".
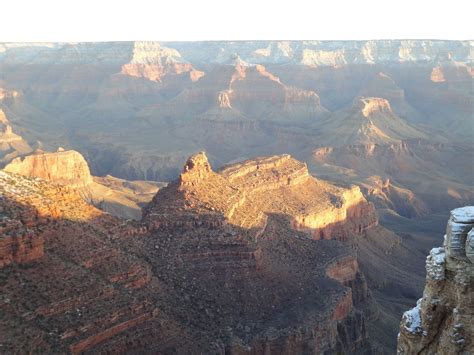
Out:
{"x": 311, "y": 53}
{"x": 370, "y": 120}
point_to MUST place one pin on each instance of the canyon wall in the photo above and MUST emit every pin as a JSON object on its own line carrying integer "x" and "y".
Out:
{"x": 442, "y": 321}
{"x": 62, "y": 167}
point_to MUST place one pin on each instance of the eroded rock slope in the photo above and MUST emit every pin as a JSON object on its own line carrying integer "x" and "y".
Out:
{"x": 221, "y": 261}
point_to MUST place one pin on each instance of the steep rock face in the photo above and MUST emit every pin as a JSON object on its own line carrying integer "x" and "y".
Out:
{"x": 325, "y": 53}
{"x": 69, "y": 168}
{"x": 153, "y": 62}
{"x": 385, "y": 194}
{"x": 405, "y": 162}
{"x": 320, "y": 53}
{"x": 384, "y": 86}
{"x": 239, "y": 191}
{"x": 442, "y": 321}
{"x": 62, "y": 167}
{"x": 275, "y": 100}
{"x": 71, "y": 275}
{"x": 240, "y": 92}
{"x": 26, "y": 207}
{"x": 196, "y": 168}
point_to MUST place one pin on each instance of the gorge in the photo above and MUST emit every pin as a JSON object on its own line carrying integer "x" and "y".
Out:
{"x": 244, "y": 197}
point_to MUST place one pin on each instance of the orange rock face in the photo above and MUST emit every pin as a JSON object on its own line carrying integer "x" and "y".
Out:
{"x": 214, "y": 250}
{"x": 21, "y": 249}
{"x": 63, "y": 167}
{"x": 437, "y": 75}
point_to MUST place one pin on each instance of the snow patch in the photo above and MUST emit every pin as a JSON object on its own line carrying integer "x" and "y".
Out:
{"x": 411, "y": 319}
{"x": 463, "y": 214}
{"x": 435, "y": 264}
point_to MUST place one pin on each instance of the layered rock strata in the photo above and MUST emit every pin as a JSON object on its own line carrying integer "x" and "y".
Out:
{"x": 62, "y": 167}
{"x": 216, "y": 264}
{"x": 69, "y": 168}
{"x": 442, "y": 321}
{"x": 236, "y": 226}
{"x": 65, "y": 286}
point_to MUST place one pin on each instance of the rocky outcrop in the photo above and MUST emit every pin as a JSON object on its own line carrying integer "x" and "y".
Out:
{"x": 63, "y": 269}
{"x": 377, "y": 123}
{"x": 8, "y": 94}
{"x": 442, "y": 321}
{"x": 62, "y": 167}
{"x": 352, "y": 214}
{"x": 196, "y": 168}
{"x": 69, "y": 168}
{"x": 152, "y": 61}
{"x": 25, "y": 209}
{"x": 236, "y": 224}
{"x": 241, "y": 191}
{"x": 437, "y": 75}
{"x": 371, "y": 105}
{"x": 19, "y": 249}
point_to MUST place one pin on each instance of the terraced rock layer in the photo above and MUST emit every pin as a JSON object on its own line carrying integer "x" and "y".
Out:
{"x": 216, "y": 264}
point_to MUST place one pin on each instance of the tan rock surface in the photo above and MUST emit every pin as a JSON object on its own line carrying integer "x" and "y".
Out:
{"x": 62, "y": 167}
{"x": 69, "y": 168}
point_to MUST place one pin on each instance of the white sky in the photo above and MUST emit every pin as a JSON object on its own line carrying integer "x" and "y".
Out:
{"x": 102, "y": 20}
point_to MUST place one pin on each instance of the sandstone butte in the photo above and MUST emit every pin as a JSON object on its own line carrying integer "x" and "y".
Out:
{"x": 69, "y": 168}
{"x": 62, "y": 167}
{"x": 257, "y": 257}
{"x": 442, "y": 322}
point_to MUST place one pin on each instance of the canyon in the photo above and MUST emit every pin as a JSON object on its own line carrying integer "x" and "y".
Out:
{"x": 195, "y": 246}
{"x": 325, "y": 171}
{"x": 259, "y": 249}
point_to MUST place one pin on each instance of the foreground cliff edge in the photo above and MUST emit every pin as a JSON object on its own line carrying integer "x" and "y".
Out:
{"x": 443, "y": 320}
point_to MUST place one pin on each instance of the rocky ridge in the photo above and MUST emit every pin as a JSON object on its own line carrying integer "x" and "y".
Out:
{"x": 314, "y": 53}
{"x": 234, "y": 224}
{"x": 238, "y": 281}
{"x": 240, "y": 191}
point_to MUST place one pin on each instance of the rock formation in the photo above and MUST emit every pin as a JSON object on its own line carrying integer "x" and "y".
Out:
{"x": 25, "y": 209}
{"x": 442, "y": 321}
{"x": 59, "y": 268}
{"x": 62, "y": 167}
{"x": 370, "y": 120}
{"x": 234, "y": 224}
{"x": 240, "y": 191}
{"x": 69, "y": 168}
{"x": 392, "y": 117}
{"x": 235, "y": 274}
{"x": 11, "y": 144}
{"x": 152, "y": 61}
